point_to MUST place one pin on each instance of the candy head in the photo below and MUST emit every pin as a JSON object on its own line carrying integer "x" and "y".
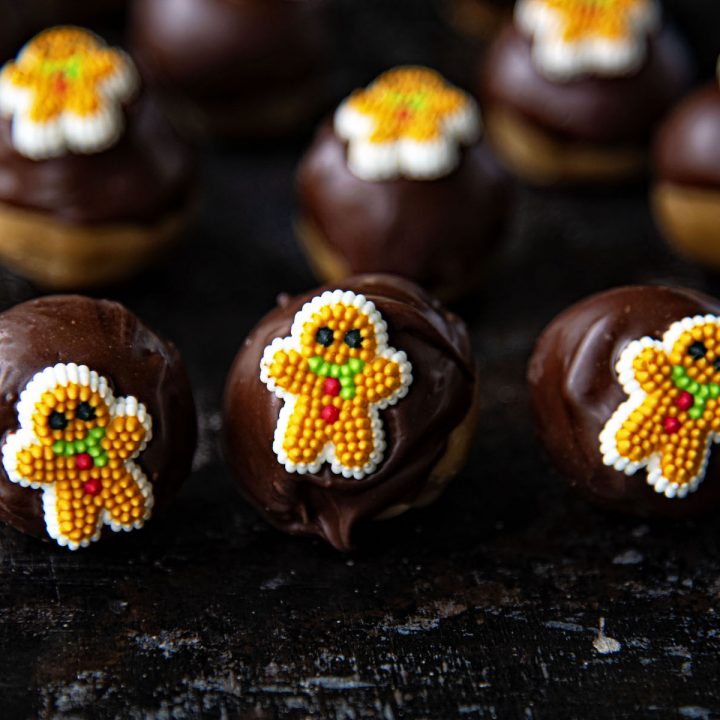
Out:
{"x": 694, "y": 345}
{"x": 337, "y": 332}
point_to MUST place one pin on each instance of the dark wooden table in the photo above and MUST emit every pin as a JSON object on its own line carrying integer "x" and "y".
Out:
{"x": 510, "y": 598}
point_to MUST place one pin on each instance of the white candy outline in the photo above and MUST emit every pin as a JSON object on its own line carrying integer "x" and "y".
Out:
{"x": 404, "y": 157}
{"x": 69, "y": 132}
{"x": 562, "y": 61}
{"x": 292, "y": 343}
{"x": 47, "y": 379}
{"x": 636, "y": 396}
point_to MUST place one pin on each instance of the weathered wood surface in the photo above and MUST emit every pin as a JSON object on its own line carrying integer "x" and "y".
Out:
{"x": 488, "y": 605}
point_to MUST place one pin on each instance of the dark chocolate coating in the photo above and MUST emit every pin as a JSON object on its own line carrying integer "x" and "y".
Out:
{"x": 594, "y": 110}
{"x": 149, "y": 173}
{"x": 416, "y": 428}
{"x": 687, "y": 149}
{"x": 574, "y": 390}
{"x": 112, "y": 341}
{"x": 212, "y": 51}
{"x": 435, "y": 232}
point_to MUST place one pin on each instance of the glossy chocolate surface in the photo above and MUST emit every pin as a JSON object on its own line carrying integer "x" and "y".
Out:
{"x": 590, "y": 109}
{"x": 110, "y": 340}
{"x": 574, "y": 390}
{"x": 417, "y": 427}
{"x": 210, "y": 49}
{"x": 435, "y": 232}
{"x": 687, "y": 150}
{"x": 147, "y": 174}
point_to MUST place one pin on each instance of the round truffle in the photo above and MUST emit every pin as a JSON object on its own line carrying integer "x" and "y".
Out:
{"x": 99, "y": 200}
{"x": 477, "y": 18}
{"x": 686, "y": 190}
{"x": 351, "y": 404}
{"x": 624, "y": 389}
{"x": 96, "y": 416}
{"x": 432, "y": 218}
{"x": 236, "y": 68}
{"x": 575, "y": 123}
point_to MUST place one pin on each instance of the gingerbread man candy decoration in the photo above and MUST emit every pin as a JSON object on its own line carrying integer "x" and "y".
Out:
{"x": 672, "y": 415}
{"x": 77, "y": 443}
{"x": 334, "y": 372}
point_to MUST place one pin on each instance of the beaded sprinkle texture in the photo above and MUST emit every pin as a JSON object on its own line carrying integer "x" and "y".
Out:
{"x": 335, "y": 372}
{"x": 409, "y": 122}
{"x": 673, "y": 414}
{"x": 572, "y": 38}
{"x": 65, "y": 92}
{"x": 77, "y": 443}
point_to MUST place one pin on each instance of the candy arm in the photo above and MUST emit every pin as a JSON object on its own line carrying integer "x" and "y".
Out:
{"x": 382, "y": 378}
{"x": 283, "y": 368}
{"x": 129, "y": 431}
{"x": 652, "y": 369}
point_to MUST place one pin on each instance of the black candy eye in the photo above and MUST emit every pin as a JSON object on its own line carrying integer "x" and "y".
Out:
{"x": 353, "y": 339}
{"x": 57, "y": 420}
{"x": 324, "y": 336}
{"x": 716, "y": 364}
{"x": 85, "y": 411}
{"x": 697, "y": 350}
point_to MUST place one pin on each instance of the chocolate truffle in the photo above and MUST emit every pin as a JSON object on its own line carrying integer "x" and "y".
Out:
{"x": 94, "y": 183}
{"x": 574, "y": 89}
{"x": 626, "y": 388}
{"x": 351, "y": 403}
{"x": 236, "y": 68}
{"x": 402, "y": 182}
{"x": 96, "y": 417}
{"x": 686, "y": 192}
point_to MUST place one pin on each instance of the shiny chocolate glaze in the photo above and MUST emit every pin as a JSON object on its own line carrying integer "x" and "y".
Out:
{"x": 574, "y": 389}
{"x": 595, "y": 110}
{"x": 687, "y": 149}
{"x": 435, "y": 232}
{"x": 417, "y": 427}
{"x": 112, "y": 341}
{"x": 209, "y": 50}
{"x": 148, "y": 173}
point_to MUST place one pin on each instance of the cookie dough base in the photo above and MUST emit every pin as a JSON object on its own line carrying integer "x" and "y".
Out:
{"x": 542, "y": 159}
{"x": 63, "y": 256}
{"x": 326, "y": 263}
{"x": 450, "y": 464}
{"x": 690, "y": 218}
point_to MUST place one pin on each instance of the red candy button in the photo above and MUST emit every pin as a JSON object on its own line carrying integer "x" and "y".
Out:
{"x": 671, "y": 425}
{"x": 92, "y": 486}
{"x": 330, "y": 414}
{"x": 684, "y": 400}
{"x": 331, "y": 387}
{"x": 83, "y": 461}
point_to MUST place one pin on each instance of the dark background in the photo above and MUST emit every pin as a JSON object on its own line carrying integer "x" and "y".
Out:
{"x": 486, "y": 605}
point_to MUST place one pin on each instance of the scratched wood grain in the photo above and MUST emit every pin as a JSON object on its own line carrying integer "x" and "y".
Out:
{"x": 510, "y": 598}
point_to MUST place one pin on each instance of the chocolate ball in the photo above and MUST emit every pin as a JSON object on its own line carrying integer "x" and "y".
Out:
{"x": 97, "y": 419}
{"x": 86, "y": 197}
{"x": 587, "y": 124}
{"x": 686, "y": 191}
{"x": 235, "y": 68}
{"x": 350, "y": 403}
{"x": 437, "y": 226}
{"x": 624, "y": 388}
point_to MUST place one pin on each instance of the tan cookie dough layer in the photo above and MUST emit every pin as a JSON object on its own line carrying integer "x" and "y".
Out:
{"x": 542, "y": 159}
{"x": 63, "y": 256}
{"x": 690, "y": 217}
